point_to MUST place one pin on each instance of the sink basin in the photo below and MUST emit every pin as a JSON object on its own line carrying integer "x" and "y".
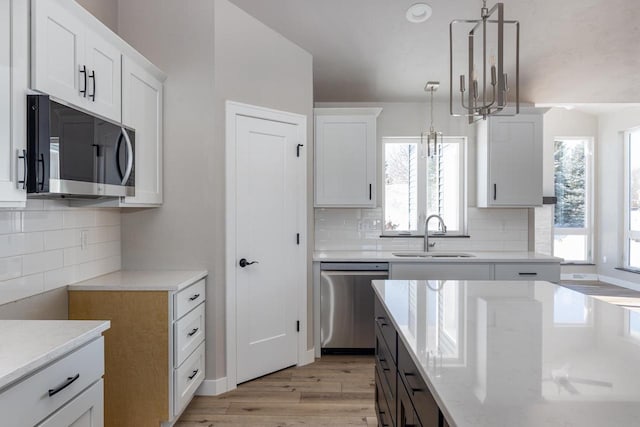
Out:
{"x": 432, "y": 255}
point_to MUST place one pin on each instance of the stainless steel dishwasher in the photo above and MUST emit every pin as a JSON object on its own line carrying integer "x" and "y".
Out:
{"x": 346, "y": 305}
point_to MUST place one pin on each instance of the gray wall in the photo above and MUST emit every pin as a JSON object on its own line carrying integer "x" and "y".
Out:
{"x": 105, "y": 10}
{"x": 254, "y": 65}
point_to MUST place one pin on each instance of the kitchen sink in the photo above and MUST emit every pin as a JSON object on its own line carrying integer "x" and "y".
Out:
{"x": 432, "y": 255}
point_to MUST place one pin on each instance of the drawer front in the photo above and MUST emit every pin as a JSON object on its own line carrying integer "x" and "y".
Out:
{"x": 187, "y": 378}
{"x": 35, "y": 398}
{"x": 423, "y": 402}
{"x": 435, "y": 271}
{"x": 384, "y": 325}
{"x": 384, "y": 362}
{"x": 86, "y": 410}
{"x": 406, "y": 415}
{"x": 382, "y": 409}
{"x": 189, "y": 298}
{"x": 528, "y": 271}
{"x": 188, "y": 334}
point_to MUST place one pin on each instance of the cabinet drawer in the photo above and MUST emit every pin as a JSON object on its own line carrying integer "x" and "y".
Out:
{"x": 425, "y": 406}
{"x": 434, "y": 271}
{"x": 382, "y": 409}
{"x": 188, "y": 334}
{"x": 384, "y": 325}
{"x": 86, "y": 410}
{"x": 384, "y": 362}
{"x": 189, "y": 298}
{"x": 29, "y": 401}
{"x": 528, "y": 271}
{"x": 187, "y": 378}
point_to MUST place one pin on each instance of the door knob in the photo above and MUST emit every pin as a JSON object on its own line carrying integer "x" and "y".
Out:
{"x": 243, "y": 262}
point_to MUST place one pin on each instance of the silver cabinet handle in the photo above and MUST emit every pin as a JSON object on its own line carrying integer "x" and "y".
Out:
{"x": 127, "y": 174}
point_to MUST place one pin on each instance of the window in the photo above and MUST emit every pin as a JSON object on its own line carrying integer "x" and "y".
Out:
{"x": 632, "y": 199}
{"x": 417, "y": 185}
{"x": 573, "y": 229}
{"x": 633, "y": 323}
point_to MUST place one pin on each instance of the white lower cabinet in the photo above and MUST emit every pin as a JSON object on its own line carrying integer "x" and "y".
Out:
{"x": 443, "y": 271}
{"x": 86, "y": 410}
{"x": 548, "y": 271}
{"x": 66, "y": 393}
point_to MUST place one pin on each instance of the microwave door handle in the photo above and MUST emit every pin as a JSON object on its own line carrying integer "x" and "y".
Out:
{"x": 127, "y": 174}
{"x": 118, "y": 146}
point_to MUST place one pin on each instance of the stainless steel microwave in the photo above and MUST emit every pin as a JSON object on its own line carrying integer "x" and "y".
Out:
{"x": 73, "y": 154}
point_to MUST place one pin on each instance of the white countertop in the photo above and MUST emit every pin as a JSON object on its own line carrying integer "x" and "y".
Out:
{"x": 387, "y": 256}
{"x": 28, "y": 345}
{"x": 524, "y": 354}
{"x": 155, "y": 280}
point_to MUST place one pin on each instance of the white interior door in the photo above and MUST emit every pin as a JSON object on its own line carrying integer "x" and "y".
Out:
{"x": 268, "y": 195}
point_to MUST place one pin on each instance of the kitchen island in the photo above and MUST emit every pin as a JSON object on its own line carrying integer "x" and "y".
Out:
{"x": 503, "y": 353}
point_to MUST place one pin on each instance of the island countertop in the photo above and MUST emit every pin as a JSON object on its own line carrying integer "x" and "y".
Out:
{"x": 525, "y": 354}
{"x": 28, "y": 345}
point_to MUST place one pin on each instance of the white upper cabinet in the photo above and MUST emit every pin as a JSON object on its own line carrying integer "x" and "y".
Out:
{"x": 71, "y": 61}
{"x": 345, "y": 157}
{"x": 142, "y": 111}
{"x": 510, "y": 161}
{"x": 14, "y": 60}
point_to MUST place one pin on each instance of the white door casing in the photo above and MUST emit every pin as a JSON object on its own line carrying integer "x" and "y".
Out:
{"x": 266, "y": 211}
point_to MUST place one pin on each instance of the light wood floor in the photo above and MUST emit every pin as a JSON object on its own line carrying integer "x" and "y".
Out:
{"x": 333, "y": 391}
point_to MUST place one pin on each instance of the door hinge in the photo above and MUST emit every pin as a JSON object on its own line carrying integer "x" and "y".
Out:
{"x": 298, "y": 238}
{"x": 297, "y": 326}
{"x": 298, "y": 149}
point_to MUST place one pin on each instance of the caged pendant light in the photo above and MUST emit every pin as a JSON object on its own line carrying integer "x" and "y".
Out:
{"x": 432, "y": 137}
{"x": 488, "y": 88}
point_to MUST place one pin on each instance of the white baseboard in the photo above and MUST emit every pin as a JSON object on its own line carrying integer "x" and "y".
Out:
{"x": 619, "y": 282}
{"x": 212, "y": 387}
{"x": 308, "y": 357}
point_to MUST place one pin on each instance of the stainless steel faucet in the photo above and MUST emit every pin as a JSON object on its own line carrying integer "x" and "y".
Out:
{"x": 428, "y": 245}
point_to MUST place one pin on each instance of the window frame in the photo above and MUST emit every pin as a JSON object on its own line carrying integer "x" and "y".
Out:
{"x": 422, "y": 183}
{"x": 589, "y": 229}
{"x": 628, "y": 233}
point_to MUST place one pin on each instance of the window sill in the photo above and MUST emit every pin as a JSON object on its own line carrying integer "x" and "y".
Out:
{"x": 628, "y": 270}
{"x": 421, "y": 236}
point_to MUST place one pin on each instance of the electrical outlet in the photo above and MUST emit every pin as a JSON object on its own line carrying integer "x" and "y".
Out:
{"x": 84, "y": 239}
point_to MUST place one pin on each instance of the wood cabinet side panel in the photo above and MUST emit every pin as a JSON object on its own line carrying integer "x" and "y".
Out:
{"x": 136, "y": 353}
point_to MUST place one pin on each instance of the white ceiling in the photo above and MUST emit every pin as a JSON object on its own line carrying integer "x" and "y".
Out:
{"x": 578, "y": 51}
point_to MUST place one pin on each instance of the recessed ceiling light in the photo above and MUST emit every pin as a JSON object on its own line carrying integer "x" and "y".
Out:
{"x": 418, "y": 13}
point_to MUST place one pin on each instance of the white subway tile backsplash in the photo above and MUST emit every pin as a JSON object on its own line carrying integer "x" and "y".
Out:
{"x": 21, "y": 287}
{"x": 41, "y": 221}
{"x": 20, "y": 244}
{"x": 42, "y": 261}
{"x": 10, "y": 222}
{"x": 41, "y": 246}
{"x": 360, "y": 229}
{"x": 78, "y": 219}
{"x": 10, "y": 268}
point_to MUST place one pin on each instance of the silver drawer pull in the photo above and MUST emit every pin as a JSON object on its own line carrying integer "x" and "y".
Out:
{"x": 193, "y": 375}
{"x": 67, "y": 383}
{"x": 193, "y": 332}
{"x": 195, "y": 297}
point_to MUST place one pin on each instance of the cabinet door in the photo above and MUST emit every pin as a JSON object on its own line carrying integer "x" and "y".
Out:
{"x": 14, "y": 55}
{"x": 515, "y": 160}
{"x": 345, "y": 161}
{"x": 58, "y": 50}
{"x": 86, "y": 410}
{"x": 142, "y": 110}
{"x": 104, "y": 79}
